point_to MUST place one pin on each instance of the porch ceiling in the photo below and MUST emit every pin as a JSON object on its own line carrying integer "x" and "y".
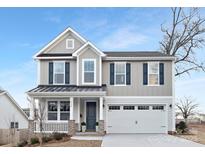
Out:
{"x": 67, "y": 90}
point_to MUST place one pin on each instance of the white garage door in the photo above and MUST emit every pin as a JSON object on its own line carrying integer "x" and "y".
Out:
{"x": 136, "y": 119}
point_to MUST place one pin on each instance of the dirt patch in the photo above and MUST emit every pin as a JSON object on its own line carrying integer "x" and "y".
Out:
{"x": 75, "y": 143}
{"x": 198, "y": 133}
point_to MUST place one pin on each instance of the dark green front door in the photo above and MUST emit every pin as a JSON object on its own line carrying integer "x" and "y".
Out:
{"x": 90, "y": 116}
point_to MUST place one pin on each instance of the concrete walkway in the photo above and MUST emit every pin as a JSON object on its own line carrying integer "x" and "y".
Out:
{"x": 87, "y": 137}
{"x": 146, "y": 140}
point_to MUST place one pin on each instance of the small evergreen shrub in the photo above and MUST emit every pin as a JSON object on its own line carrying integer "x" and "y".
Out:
{"x": 181, "y": 127}
{"x": 34, "y": 140}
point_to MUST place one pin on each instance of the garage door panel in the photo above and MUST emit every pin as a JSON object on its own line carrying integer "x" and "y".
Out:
{"x": 137, "y": 121}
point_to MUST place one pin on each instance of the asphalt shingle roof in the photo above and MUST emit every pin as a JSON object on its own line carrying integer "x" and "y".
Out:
{"x": 136, "y": 54}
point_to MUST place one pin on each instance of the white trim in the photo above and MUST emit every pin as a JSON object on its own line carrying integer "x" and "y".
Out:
{"x": 83, "y": 81}
{"x": 115, "y": 74}
{"x": 148, "y": 73}
{"x": 140, "y": 58}
{"x": 38, "y": 72}
{"x": 100, "y": 71}
{"x": 73, "y": 44}
{"x": 101, "y": 116}
{"x": 54, "y": 62}
{"x": 173, "y": 94}
{"x": 60, "y": 57}
{"x": 77, "y": 71}
{"x": 58, "y": 37}
{"x": 71, "y": 108}
{"x": 148, "y": 97}
{"x": 78, "y": 52}
{"x": 58, "y": 109}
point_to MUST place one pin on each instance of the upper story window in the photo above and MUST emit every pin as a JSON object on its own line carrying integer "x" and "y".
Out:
{"x": 89, "y": 72}
{"x": 120, "y": 73}
{"x": 153, "y": 73}
{"x": 70, "y": 44}
{"x": 59, "y": 72}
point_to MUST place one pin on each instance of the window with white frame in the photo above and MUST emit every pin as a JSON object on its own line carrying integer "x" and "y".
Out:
{"x": 64, "y": 110}
{"x": 153, "y": 73}
{"x": 88, "y": 71}
{"x": 58, "y": 110}
{"x": 52, "y": 110}
{"x": 70, "y": 44}
{"x": 120, "y": 73}
{"x": 59, "y": 72}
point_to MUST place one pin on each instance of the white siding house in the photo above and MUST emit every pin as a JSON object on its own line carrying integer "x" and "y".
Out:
{"x": 11, "y": 114}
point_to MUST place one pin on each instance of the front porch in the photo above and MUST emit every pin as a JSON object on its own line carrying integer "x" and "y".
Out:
{"x": 81, "y": 112}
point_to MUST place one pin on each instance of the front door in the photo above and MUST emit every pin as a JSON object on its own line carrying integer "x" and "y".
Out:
{"x": 90, "y": 116}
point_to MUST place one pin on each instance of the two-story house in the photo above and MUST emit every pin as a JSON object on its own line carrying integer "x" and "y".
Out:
{"x": 123, "y": 92}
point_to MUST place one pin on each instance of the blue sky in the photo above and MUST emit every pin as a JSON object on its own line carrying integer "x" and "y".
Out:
{"x": 24, "y": 31}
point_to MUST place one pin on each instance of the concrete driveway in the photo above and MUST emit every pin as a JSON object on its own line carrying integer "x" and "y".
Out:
{"x": 146, "y": 140}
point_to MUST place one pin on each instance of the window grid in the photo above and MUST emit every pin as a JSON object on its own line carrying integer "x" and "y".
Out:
{"x": 143, "y": 107}
{"x": 70, "y": 41}
{"x": 153, "y": 73}
{"x": 59, "y": 72}
{"x": 59, "y": 111}
{"x": 114, "y": 107}
{"x": 89, "y": 71}
{"x": 118, "y": 73}
{"x": 128, "y": 107}
{"x": 158, "y": 107}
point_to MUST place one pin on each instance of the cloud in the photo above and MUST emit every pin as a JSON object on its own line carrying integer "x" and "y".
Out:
{"x": 123, "y": 38}
{"x": 53, "y": 19}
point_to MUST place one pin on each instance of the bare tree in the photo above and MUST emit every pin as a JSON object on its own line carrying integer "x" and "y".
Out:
{"x": 40, "y": 117}
{"x": 187, "y": 107}
{"x": 182, "y": 39}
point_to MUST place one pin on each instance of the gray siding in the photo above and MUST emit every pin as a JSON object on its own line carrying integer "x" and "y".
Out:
{"x": 44, "y": 72}
{"x": 60, "y": 45}
{"x": 89, "y": 54}
{"x": 137, "y": 88}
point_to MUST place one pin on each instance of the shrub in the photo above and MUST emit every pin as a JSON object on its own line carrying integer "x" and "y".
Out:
{"x": 58, "y": 136}
{"x": 83, "y": 124}
{"x": 34, "y": 140}
{"x": 46, "y": 139}
{"x": 181, "y": 127}
{"x": 22, "y": 143}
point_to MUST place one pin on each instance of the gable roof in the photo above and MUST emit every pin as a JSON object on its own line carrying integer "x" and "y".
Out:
{"x": 3, "y": 92}
{"x": 57, "y": 38}
{"x": 77, "y": 52}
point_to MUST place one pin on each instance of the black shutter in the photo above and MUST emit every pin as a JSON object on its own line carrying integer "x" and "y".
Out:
{"x": 50, "y": 72}
{"x": 161, "y": 73}
{"x": 128, "y": 73}
{"x": 67, "y": 72}
{"x": 145, "y": 74}
{"x": 112, "y": 71}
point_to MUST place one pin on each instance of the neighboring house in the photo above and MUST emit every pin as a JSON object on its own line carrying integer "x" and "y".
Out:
{"x": 13, "y": 121}
{"x": 125, "y": 92}
{"x": 194, "y": 118}
{"x": 11, "y": 114}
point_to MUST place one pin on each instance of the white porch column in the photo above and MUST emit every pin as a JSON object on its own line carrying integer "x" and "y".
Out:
{"x": 71, "y": 109}
{"x": 101, "y": 108}
{"x": 32, "y": 108}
